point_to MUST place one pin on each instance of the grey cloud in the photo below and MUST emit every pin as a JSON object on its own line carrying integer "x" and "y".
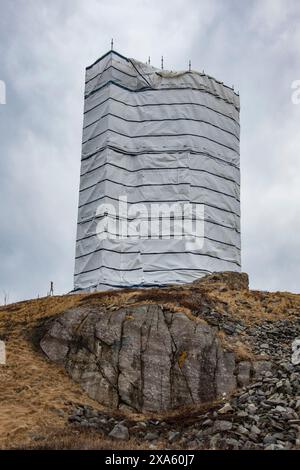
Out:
{"x": 44, "y": 47}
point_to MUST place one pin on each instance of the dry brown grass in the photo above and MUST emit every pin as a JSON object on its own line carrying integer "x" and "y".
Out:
{"x": 34, "y": 393}
{"x": 70, "y": 438}
{"x": 253, "y": 307}
{"x": 187, "y": 415}
{"x": 241, "y": 350}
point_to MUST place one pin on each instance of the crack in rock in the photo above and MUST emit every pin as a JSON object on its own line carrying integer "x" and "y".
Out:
{"x": 130, "y": 356}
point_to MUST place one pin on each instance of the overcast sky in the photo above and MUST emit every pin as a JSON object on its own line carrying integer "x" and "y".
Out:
{"x": 44, "y": 49}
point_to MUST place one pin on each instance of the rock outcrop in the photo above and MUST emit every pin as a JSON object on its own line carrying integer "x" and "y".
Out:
{"x": 144, "y": 356}
{"x": 263, "y": 414}
{"x": 233, "y": 280}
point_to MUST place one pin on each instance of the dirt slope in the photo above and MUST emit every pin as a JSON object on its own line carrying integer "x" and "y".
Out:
{"x": 34, "y": 394}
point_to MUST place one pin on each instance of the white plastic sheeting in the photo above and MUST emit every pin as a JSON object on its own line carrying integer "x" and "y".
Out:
{"x": 153, "y": 137}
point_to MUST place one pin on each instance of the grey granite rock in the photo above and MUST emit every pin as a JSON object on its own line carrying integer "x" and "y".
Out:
{"x": 144, "y": 357}
{"x": 120, "y": 432}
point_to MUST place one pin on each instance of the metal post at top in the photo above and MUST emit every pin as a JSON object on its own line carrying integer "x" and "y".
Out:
{"x": 162, "y": 62}
{"x": 112, "y": 44}
{"x": 149, "y": 61}
{"x": 190, "y": 65}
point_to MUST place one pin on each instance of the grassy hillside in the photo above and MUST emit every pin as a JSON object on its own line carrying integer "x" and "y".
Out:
{"x": 36, "y": 396}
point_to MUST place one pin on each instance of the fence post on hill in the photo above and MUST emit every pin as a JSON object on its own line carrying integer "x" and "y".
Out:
{"x": 5, "y": 297}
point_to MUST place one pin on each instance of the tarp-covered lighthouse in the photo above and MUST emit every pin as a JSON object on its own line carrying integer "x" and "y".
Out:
{"x": 159, "y": 199}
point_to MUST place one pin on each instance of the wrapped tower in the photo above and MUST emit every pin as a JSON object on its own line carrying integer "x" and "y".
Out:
{"x": 160, "y": 177}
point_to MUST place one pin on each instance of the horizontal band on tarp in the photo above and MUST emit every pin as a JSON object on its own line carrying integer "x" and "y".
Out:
{"x": 108, "y": 68}
{"x": 163, "y": 120}
{"x": 213, "y": 222}
{"x": 159, "y": 184}
{"x": 131, "y": 286}
{"x": 155, "y": 202}
{"x": 157, "y": 152}
{"x": 155, "y": 253}
{"x": 159, "y": 169}
{"x": 160, "y": 270}
{"x": 143, "y": 136}
{"x": 145, "y": 89}
{"x": 110, "y": 98}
